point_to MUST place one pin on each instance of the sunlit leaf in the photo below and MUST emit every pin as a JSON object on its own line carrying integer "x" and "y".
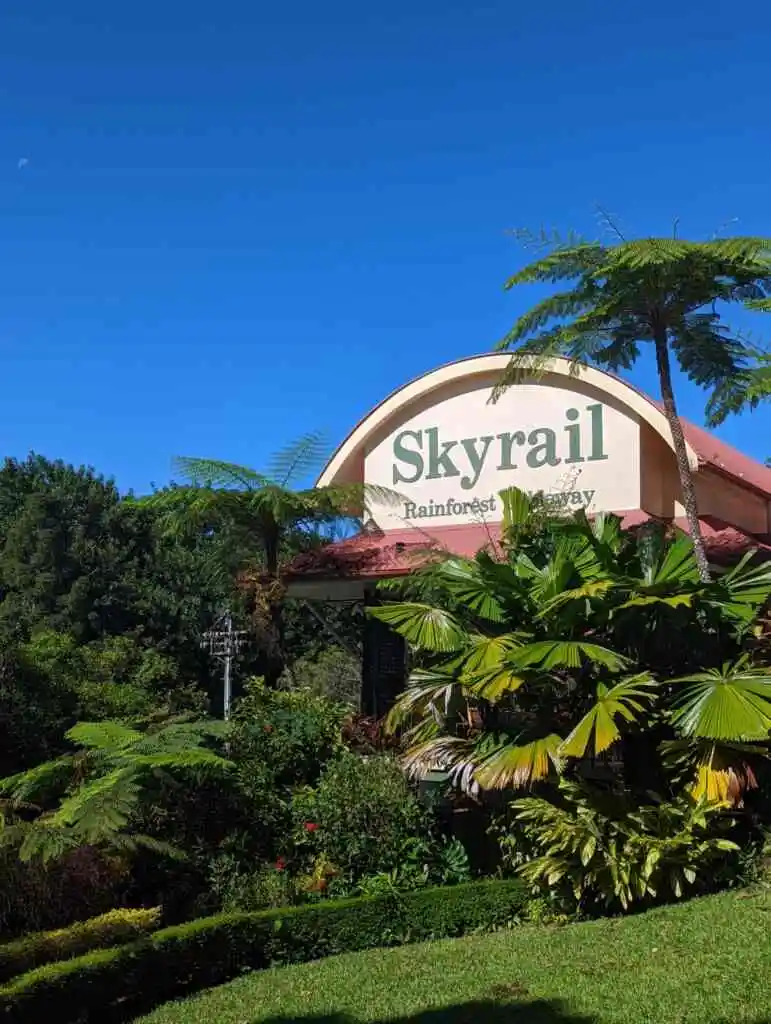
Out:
{"x": 520, "y": 764}
{"x": 424, "y": 626}
{"x": 551, "y": 654}
{"x": 599, "y": 729}
{"x": 730, "y": 703}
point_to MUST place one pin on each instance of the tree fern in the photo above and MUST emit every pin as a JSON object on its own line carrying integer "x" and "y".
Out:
{"x": 95, "y": 796}
{"x": 661, "y": 291}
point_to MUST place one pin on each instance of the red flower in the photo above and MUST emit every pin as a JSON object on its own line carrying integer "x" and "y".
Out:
{"x": 280, "y": 864}
{"x": 311, "y": 826}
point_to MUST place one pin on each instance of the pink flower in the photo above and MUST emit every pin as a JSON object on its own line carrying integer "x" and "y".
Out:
{"x": 311, "y": 826}
{"x": 280, "y": 864}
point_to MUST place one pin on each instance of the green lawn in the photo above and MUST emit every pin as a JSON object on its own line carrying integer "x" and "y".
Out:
{"x": 707, "y": 961}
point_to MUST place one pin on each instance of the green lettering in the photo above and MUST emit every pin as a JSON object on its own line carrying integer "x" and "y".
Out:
{"x": 439, "y": 457}
{"x": 545, "y": 452}
{"x": 598, "y": 437}
{"x": 476, "y": 458}
{"x": 573, "y": 430}
{"x": 507, "y": 443}
{"x": 406, "y": 455}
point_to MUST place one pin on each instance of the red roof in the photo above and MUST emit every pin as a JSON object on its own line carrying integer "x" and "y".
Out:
{"x": 727, "y": 460}
{"x": 375, "y": 555}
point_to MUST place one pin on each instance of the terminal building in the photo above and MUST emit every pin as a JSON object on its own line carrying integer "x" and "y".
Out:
{"x": 583, "y": 438}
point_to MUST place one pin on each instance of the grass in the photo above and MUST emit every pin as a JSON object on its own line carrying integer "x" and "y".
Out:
{"x": 702, "y": 962}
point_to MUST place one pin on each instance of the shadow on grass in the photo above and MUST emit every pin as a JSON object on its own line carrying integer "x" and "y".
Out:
{"x": 493, "y": 1012}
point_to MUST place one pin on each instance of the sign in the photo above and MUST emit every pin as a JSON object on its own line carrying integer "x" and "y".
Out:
{"x": 450, "y": 461}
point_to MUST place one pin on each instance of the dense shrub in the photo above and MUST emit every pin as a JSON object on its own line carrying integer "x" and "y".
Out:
{"x": 110, "y": 929}
{"x": 364, "y": 813}
{"x": 330, "y": 672}
{"x": 36, "y": 896}
{"x": 115, "y": 984}
{"x": 588, "y": 850}
{"x": 290, "y": 733}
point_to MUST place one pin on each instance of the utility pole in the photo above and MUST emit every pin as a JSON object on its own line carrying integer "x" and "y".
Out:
{"x": 223, "y": 643}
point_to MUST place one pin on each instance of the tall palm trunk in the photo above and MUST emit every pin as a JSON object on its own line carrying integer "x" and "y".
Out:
{"x": 681, "y": 452}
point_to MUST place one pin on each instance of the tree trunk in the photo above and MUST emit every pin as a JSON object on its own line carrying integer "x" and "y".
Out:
{"x": 681, "y": 452}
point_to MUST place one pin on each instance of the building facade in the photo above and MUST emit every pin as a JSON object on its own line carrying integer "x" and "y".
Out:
{"x": 443, "y": 449}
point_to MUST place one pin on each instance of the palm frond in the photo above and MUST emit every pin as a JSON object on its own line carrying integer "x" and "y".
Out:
{"x": 465, "y": 581}
{"x": 427, "y": 693}
{"x": 40, "y": 781}
{"x": 483, "y": 653}
{"x": 424, "y": 626}
{"x": 518, "y": 765}
{"x": 103, "y": 735}
{"x": 732, "y": 703}
{"x": 552, "y": 654}
{"x": 598, "y": 730}
{"x": 298, "y": 460}
{"x": 743, "y": 591}
{"x": 216, "y": 473}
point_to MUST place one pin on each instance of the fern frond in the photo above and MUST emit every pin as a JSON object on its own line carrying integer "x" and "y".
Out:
{"x": 561, "y": 264}
{"x": 112, "y": 736}
{"x": 298, "y": 460}
{"x": 37, "y": 782}
{"x": 216, "y": 473}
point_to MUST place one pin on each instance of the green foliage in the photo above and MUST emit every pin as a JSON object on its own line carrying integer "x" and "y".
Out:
{"x": 285, "y": 737}
{"x": 111, "y": 929}
{"x": 592, "y": 849}
{"x": 120, "y": 982}
{"x": 36, "y": 896}
{"x": 365, "y": 813}
{"x": 662, "y": 291}
{"x": 522, "y": 675}
{"x": 98, "y": 792}
{"x": 333, "y": 673}
{"x": 623, "y": 292}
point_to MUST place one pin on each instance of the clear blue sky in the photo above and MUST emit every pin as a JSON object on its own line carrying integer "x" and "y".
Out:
{"x": 240, "y": 221}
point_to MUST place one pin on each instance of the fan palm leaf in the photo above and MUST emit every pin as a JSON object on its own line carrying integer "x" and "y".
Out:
{"x": 425, "y": 627}
{"x": 518, "y": 765}
{"x": 598, "y": 730}
{"x": 731, "y": 703}
{"x": 552, "y": 654}
{"x": 426, "y": 692}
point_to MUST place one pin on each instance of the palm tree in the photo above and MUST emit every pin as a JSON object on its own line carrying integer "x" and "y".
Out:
{"x": 663, "y": 291}
{"x": 581, "y": 636}
{"x": 259, "y": 519}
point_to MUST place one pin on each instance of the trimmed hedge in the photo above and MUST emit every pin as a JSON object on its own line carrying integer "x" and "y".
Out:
{"x": 116, "y": 984}
{"x": 111, "y": 929}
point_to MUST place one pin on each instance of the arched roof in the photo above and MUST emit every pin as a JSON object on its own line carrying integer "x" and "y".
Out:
{"x": 342, "y": 463}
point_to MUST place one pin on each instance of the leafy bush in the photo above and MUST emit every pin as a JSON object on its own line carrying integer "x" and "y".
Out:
{"x": 110, "y": 929}
{"x": 594, "y": 851}
{"x": 35, "y": 896}
{"x": 236, "y": 888}
{"x": 331, "y": 672}
{"x": 363, "y": 814}
{"x": 128, "y": 979}
{"x": 288, "y": 735}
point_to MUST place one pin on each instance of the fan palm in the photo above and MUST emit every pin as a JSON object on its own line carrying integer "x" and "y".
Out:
{"x": 658, "y": 290}
{"x": 263, "y": 517}
{"x": 525, "y": 664}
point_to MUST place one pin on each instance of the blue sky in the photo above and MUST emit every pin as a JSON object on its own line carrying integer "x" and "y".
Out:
{"x": 240, "y": 221}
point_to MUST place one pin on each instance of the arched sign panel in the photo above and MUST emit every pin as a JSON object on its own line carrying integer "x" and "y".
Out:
{"x": 450, "y": 455}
